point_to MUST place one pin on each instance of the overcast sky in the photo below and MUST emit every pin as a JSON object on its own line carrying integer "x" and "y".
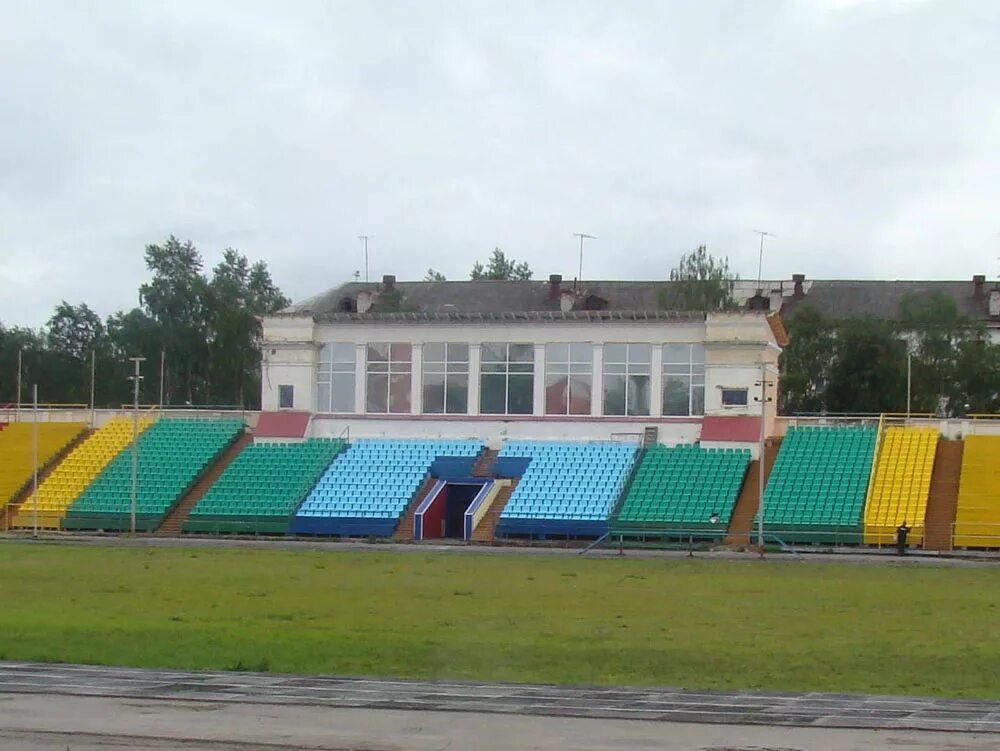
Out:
{"x": 864, "y": 135}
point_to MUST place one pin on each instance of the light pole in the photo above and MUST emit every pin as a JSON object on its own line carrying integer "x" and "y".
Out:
{"x": 909, "y": 382}
{"x": 583, "y": 236}
{"x": 17, "y": 406}
{"x": 763, "y": 399}
{"x": 34, "y": 460}
{"x": 136, "y": 378}
{"x": 760, "y": 258}
{"x": 365, "y": 238}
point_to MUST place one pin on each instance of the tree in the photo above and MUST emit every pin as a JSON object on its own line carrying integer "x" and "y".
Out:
{"x": 437, "y": 276}
{"x": 500, "y": 268}
{"x": 868, "y": 373}
{"x": 699, "y": 282}
{"x": 806, "y": 361}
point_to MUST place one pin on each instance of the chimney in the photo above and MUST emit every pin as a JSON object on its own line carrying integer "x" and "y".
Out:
{"x": 994, "y": 305}
{"x": 798, "y": 293}
{"x": 388, "y": 283}
{"x": 555, "y": 286}
{"x": 978, "y": 285}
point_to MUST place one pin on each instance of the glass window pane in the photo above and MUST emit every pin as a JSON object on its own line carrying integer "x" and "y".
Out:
{"x": 614, "y": 395}
{"x": 492, "y": 394}
{"x": 322, "y": 397}
{"x": 556, "y": 394}
{"x": 457, "y": 397}
{"x": 583, "y": 353}
{"x": 399, "y": 393}
{"x": 378, "y": 352}
{"x": 458, "y": 367}
{"x": 434, "y": 352}
{"x": 343, "y": 352}
{"x": 698, "y": 354}
{"x": 676, "y": 397}
{"x": 286, "y": 396}
{"x": 556, "y": 352}
{"x": 698, "y": 400}
{"x": 638, "y": 394}
{"x": 579, "y": 395}
{"x": 640, "y": 353}
{"x": 433, "y": 393}
{"x": 401, "y": 352}
{"x": 342, "y": 398}
{"x": 676, "y": 353}
{"x": 520, "y": 396}
{"x": 493, "y": 353}
{"x": 458, "y": 352}
{"x": 522, "y": 353}
{"x": 614, "y": 353}
{"x": 376, "y": 392}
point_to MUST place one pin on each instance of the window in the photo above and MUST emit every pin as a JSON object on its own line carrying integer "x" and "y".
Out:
{"x": 446, "y": 379}
{"x": 683, "y": 379}
{"x": 286, "y": 396}
{"x": 734, "y": 397}
{"x": 335, "y": 378}
{"x": 569, "y": 375}
{"x": 387, "y": 382}
{"x": 507, "y": 379}
{"x": 627, "y": 369}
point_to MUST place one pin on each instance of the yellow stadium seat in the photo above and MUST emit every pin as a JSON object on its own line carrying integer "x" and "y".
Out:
{"x": 74, "y": 473}
{"x": 17, "y": 453}
{"x": 977, "y": 519}
{"x": 901, "y": 484}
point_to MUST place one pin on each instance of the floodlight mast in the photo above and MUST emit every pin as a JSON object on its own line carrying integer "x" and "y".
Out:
{"x": 136, "y": 378}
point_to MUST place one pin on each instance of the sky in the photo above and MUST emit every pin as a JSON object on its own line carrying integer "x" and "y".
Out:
{"x": 864, "y": 135}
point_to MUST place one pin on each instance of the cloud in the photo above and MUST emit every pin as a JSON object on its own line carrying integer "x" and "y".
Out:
{"x": 864, "y": 135}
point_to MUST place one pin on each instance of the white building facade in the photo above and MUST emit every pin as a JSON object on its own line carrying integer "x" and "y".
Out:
{"x": 565, "y": 375}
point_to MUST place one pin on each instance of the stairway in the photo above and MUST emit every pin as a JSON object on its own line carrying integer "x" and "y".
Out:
{"x": 484, "y": 463}
{"x": 404, "y": 531}
{"x": 942, "y": 503}
{"x": 488, "y": 524}
{"x": 11, "y": 509}
{"x": 741, "y": 522}
{"x": 175, "y": 518}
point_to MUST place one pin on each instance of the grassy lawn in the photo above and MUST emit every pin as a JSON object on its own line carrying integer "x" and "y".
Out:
{"x": 699, "y": 624}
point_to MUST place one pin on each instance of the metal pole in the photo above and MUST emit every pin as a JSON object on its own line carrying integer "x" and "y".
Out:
{"x": 909, "y": 383}
{"x": 760, "y": 449}
{"x": 93, "y": 379}
{"x": 135, "y": 440}
{"x": 163, "y": 363}
{"x": 365, "y": 238}
{"x": 17, "y": 405}
{"x": 760, "y": 258}
{"x": 34, "y": 460}
{"x": 583, "y": 236}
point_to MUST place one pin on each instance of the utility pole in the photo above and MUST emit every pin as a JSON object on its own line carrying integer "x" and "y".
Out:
{"x": 17, "y": 405}
{"x": 760, "y": 258}
{"x": 365, "y": 238}
{"x": 163, "y": 366}
{"x": 763, "y": 399}
{"x": 583, "y": 236}
{"x": 34, "y": 460}
{"x": 909, "y": 382}
{"x": 137, "y": 361}
{"x": 93, "y": 378}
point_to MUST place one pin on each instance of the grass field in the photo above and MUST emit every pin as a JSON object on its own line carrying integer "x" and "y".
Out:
{"x": 699, "y": 624}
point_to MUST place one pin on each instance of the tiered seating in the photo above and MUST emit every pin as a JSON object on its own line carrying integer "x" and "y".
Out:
{"x": 901, "y": 484}
{"x": 75, "y": 472}
{"x": 261, "y": 489}
{"x": 682, "y": 488}
{"x": 368, "y": 487}
{"x": 567, "y": 488}
{"x": 977, "y": 521}
{"x": 816, "y": 491}
{"x": 172, "y": 453}
{"x": 17, "y": 452}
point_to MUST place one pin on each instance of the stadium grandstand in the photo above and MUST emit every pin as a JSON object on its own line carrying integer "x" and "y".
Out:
{"x": 481, "y": 411}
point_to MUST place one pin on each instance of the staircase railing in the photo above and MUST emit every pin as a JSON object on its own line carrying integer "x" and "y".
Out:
{"x": 871, "y": 472}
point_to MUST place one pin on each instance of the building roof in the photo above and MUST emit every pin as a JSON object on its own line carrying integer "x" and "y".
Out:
{"x": 499, "y": 300}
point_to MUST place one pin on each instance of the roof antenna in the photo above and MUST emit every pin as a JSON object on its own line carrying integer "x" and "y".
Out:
{"x": 583, "y": 236}
{"x": 365, "y": 238}
{"x": 760, "y": 259}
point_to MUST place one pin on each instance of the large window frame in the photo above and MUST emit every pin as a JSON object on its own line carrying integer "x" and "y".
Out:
{"x": 445, "y": 378}
{"x": 335, "y": 378}
{"x": 628, "y": 374}
{"x": 569, "y": 378}
{"x": 388, "y": 378}
{"x": 683, "y": 379}
{"x": 507, "y": 378}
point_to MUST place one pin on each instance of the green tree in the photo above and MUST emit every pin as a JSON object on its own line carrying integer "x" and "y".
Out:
{"x": 806, "y": 361}
{"x": 699, "y": 282}
{"x": 977, "y": 376}
{"x": 868, "y": 373}
{"x": 436, "y": 276}
{"x": 500, "y": 268}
